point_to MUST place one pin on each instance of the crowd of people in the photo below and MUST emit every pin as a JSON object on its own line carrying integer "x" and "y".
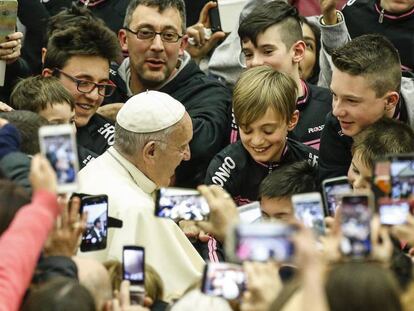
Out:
{"x": 255, "y": 117}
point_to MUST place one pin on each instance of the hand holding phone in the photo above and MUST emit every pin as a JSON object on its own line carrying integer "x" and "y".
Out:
{"x": 96, "y": 233}
{"x": 133, "y": 270}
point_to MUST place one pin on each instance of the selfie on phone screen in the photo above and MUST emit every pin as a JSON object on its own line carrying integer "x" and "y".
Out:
{"x": 402, "y": 178}
{"x": 96, "y": 232}
{"x": 263, "y": 242}
{"x": 356, "y": 217}
{"x": 224, "y": 280}
{"x": 181, "y": 204}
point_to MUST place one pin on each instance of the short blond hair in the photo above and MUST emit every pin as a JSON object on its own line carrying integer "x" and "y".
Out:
{"x": 260, "y": 88}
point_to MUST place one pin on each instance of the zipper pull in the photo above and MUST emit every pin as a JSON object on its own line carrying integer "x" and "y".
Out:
{"x": 381, "y": 17}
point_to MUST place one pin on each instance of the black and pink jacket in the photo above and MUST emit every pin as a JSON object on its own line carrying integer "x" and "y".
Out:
{"x": 367, "y": 16}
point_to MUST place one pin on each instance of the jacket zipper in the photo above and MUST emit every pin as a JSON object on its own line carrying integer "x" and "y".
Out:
{"x": 381, "y": 17}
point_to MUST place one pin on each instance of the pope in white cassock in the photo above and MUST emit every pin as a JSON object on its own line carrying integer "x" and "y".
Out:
{"x": 152, "y": 134}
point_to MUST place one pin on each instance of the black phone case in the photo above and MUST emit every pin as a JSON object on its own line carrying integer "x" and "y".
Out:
{"x": 214, "y": 16}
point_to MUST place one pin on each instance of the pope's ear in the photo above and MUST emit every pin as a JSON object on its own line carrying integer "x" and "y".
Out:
{"x": 148, "y": 152}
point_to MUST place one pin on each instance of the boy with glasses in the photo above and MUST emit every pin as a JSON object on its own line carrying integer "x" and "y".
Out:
{"x": 79, "y": 53}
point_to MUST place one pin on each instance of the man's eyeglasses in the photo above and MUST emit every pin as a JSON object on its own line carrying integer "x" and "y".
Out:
{"x": 86, "y": 86}
{"x": 168, "y": 36}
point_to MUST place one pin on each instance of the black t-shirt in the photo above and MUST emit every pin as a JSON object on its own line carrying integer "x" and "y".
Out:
{"x": 97, "y": 135}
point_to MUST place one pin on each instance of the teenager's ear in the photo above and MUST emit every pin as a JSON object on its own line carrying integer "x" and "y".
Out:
{"x": 293, "y": 120}
{"x": 392, "y": 99}
{"x": 123, "y": 39}
{"x": 47, "y": 72}
{"x": 44, "y": 50}
{"x": 298, "y": 49}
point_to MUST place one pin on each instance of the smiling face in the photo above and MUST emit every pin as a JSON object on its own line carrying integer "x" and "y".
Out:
{"x": 265, "y": 138}
{"x": 91, "y": 68}
{"x": 152, "y": 60}
{"x": 270, "y": 50}
{"x": 170, "y": 153}
{"x": 355, "y": 103}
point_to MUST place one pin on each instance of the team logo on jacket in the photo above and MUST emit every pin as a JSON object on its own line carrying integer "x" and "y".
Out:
{"x": 108, "y": 132}
{"x": 316, "y": 129}
{"x": 223, "y": 173}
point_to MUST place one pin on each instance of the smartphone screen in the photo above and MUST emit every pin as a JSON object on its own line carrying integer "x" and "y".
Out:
{"x": 133, "y": 264}
{"x": 264, "y": 241}
{"x": 96, "y": 233}
{"x": 356, "y": 216}
{"x": 8, "y": 17}
{"x": 133, "y": 270}
{"x": 333, "y": 189}
{"x": 393, "y": 212}
{"x": 229, "y": 11}
{"x": 181, "y": 204}
{"x": 309, "y": 210}
{"x": 224, "y": 280}
{"x": 402, "y": 177}
{"x": 58, "y": 144}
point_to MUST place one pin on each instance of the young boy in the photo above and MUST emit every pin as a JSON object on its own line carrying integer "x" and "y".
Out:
{"x": 264, "y": 104}
{"x": 272, "y": 35}
{"x": 366, "y": 86}
{"x": 386, "y": 136}
{"x": 276, "y": 189}
{"x": 47, "y": 97}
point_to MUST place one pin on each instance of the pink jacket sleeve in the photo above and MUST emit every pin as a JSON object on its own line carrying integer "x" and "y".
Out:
{"x": 21, "y": 245}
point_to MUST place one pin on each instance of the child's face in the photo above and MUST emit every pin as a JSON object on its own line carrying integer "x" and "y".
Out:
{"x": 359, "y": 175}
{"x": 355, "y": 103}
{"x": 265, "y": 138}
{"x": 270, "y": 51}
{"x": 58, "y": 113}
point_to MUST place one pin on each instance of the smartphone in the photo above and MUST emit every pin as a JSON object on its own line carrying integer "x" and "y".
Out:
{"x": 8, "y": 18}
{"x": 250, "y": 213}
{"x": 181, "y": 204}
{"x": 225, "y": 16}
{"x": 382, "y": 178}
{"x": 356, "y": 214}
{"x": 222, "y": 279}
{"x": 393, "y": 212}
{"x": 308, "y": 209}
{"x": 261, "y": 242}
{"x": 58, "y": 144}
{"x": 133, "y": 270}
{"x": 333, "y": 189}
{"x": 96, "y": 233}
{"x": 402, "y": 176}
